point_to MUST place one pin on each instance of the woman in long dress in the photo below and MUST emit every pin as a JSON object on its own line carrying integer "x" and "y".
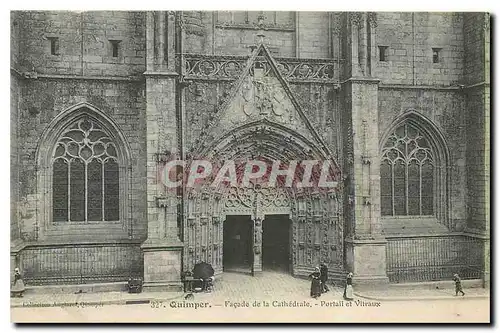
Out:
{"x": 324, "y": 278}
{"x": 315, "y": 283}
{"x": 18, "y": 288}
{"x": 348, "y": 291}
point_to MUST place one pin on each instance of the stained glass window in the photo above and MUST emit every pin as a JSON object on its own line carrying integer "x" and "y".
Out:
{"x": 407, "y": 174}
{"x": 85, "y": 178}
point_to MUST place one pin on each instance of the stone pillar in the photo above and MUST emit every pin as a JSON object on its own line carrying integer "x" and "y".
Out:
{"x": 162, "y": 249}
{"x": 477, "y": 96}
{"x": 257, "y": 246}
{"x": 365, "y": 244}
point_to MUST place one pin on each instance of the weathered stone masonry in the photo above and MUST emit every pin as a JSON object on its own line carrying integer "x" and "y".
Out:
{"x": 179, "y": 82}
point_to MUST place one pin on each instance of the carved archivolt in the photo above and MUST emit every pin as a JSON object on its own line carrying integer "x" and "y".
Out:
{"x": 251, "y": 196}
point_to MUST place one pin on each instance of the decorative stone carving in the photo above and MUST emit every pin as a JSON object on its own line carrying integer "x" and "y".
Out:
{"x": 263, "y": 101}
{"x": 213, "y": 67}
{"x": 197, "y": 66}
{"x": 264, "y": 108}
{"x": 162, "y": 202}
{"x": 372, "y": 19}
{"x": 355, "y": 18}
{"x": 304, "y": 247}
{"x": 192, "y": 22}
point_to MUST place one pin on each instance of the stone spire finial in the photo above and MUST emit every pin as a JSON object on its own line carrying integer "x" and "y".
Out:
{"x": 260, "y": 23}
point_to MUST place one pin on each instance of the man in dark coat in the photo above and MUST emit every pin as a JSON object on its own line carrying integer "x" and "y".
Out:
{"x": 324, "y": 277}
{"x": 458, "y": 285}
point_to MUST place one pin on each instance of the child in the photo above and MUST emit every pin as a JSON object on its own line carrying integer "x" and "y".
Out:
{"x": 18, "y": 288}
{"x": 458, "y": 285}
{"x": 348, "y": 291}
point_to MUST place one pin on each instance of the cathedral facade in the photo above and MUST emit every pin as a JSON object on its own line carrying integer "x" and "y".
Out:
{"x": 397, "y": 103}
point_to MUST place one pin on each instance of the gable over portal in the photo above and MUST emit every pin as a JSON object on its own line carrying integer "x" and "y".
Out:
{"x": 260, "y": 94}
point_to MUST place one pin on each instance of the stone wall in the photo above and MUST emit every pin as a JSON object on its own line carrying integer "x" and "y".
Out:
{"x": 474, "y": 46}
{"x": 477, "y": 109}
{"x": 84, "y": 42}
{"x": 14, "y": 155}
{"x": 16, "y": 30}
{"x": 15, "y": 91}
{"x": 410, "y": 38}
{"x": 305, "y": 34}
{"x": 313, "y": 35}
{"x": 161, "y": 139}
{"x": 84, "y": 56}
{"x": 477, "y": 155}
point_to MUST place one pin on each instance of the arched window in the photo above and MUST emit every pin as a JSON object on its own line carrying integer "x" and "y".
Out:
{"x": 85, "y": 175}
{"x": 407, "y": 173}
{"x": 414, "y": 170}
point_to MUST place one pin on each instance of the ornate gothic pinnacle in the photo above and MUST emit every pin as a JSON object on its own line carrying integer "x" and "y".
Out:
{"x": 260, "y": 23}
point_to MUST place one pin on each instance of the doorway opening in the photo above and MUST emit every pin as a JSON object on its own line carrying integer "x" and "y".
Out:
{"x": 276, "y": 243}
{"x": 238, "y": 236}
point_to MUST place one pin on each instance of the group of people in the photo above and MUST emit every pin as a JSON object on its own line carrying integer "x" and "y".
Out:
{"x": 318, "y": 283}
{"x": 320, "y": 277}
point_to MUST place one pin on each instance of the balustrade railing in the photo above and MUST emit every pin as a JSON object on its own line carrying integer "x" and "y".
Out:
{"x": 211, "y": 67}
{"x": 79, "y": 264}
{"x": 433, "y": 258}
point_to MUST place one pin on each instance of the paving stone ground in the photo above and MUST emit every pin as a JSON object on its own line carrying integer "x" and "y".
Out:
{"x": 239, "y": 287}
{"x": 267, "y": 286}
{"x": 415, "y": 292}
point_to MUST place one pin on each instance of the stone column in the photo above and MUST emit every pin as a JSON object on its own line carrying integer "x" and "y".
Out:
{"x": 366, "y": 256}
{"x": 163, "y": 249}
{"x": 257, "y": 246}
{"x": 365, "y": 245}
{"x": 477, "y": 97}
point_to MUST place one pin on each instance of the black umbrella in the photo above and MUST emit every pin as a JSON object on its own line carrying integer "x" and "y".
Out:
{"x": 202, "y": 270}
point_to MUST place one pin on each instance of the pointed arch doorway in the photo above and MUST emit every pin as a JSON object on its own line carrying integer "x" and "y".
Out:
{"x": 238, "y": 252}
{"x": 308, "y": 222}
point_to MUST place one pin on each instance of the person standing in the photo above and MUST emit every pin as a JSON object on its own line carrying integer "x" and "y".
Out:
{"x": 18, "y": 288}
{"x": 458, "y": 285}
{"x": 324, "y": 277}
{"x": 315, "y": 283}
{"x": 348, "y": 291}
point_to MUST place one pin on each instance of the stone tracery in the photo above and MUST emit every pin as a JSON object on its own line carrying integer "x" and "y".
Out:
{"x": 316, "y": 228}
